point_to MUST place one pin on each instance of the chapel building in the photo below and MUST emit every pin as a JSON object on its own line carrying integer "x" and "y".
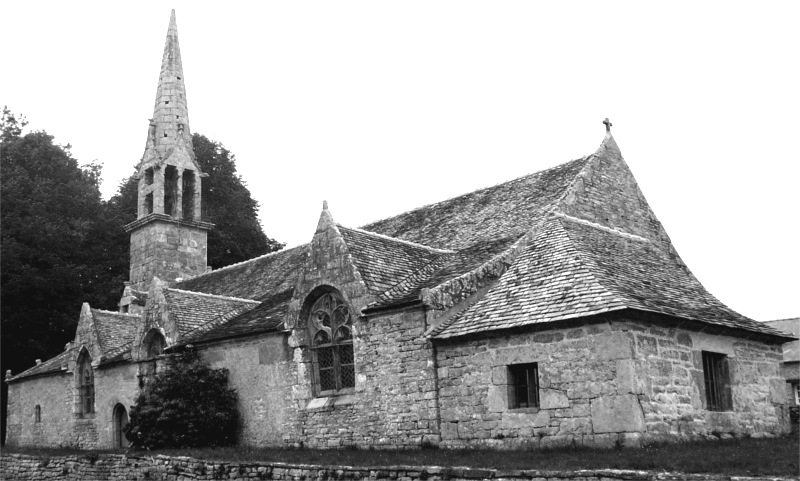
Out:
{"x": 548, "y": 310}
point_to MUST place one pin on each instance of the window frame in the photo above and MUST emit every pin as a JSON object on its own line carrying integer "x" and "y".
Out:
{"x": 524, "y": 378}
{"x": 716, "y": 380}
{"x": 329, "y": 315}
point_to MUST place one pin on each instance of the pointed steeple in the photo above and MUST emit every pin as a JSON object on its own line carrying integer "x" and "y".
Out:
{"x": 170, "y": 123}
{"x": 169, "y": 238}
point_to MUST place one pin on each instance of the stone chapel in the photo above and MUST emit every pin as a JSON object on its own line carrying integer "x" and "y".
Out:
{"x": 551, "y": 309}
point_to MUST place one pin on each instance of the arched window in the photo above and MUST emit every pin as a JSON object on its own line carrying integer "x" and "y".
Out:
{"x": 86, "y": 384}
{"x": 332, "y": 344}
{"x": 152, "y": 347}
{"x": 120, "y": 421}
{"x": 37, "y": 414}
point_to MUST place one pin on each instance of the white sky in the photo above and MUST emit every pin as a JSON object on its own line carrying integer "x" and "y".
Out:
{"x": 380, "y": 107}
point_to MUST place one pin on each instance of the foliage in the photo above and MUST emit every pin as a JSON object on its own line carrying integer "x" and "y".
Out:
{"x": 188, "y": 405}
{"x": 50, "y": 225}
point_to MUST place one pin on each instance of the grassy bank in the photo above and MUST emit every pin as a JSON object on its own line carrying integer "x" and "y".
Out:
{"x": 776, "y": 456}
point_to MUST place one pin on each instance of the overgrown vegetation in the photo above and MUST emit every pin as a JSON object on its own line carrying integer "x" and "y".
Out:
{"x": 187, "y": 405}
{"x": 733, "y": 457}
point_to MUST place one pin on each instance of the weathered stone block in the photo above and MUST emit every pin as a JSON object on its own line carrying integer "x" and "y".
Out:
{"x": 525, "y": 420}
{"x": 553, "y": 399}
{"x": 615, "y": 414}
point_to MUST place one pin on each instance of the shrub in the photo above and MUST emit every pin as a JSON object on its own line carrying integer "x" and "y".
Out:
{"x": 187, "y": 405}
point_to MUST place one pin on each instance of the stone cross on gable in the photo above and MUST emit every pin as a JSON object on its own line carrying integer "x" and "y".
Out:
{"x": 608, "y": 124}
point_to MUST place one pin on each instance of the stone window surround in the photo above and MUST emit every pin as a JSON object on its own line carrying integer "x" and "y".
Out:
{"x": 514, "y": 383}
{"x": 328, "y": 328}
{"x": 84, "y": 383}
{"x": 716, "y": 375}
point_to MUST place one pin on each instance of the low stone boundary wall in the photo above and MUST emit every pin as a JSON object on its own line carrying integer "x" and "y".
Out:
{"x": 119, "y": 467}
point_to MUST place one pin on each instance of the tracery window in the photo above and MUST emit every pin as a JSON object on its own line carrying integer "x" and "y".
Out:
{"x": 86, "y": 385}
{"x": 332, "y": 344}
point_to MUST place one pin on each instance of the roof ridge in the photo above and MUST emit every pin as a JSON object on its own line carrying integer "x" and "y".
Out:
{"x": 399, "y": 241}
{"x": 589, "y": 223}
{"x": 508, "y": 256}
{"x": 236, "y": 264}
{"x": 128, "y": 314}
{"x": 216, "y": 296}
{"x": 488, "y": 187}
{"x": 406, "y": 282}
{"x": 784, "y": 319}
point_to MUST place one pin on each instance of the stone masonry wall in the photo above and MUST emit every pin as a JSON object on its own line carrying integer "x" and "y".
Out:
{"x": 167, "y": 250}
{"x": 53, "y": 394}
{"x": 259, "y": 371}
{"x": 103, "y": 467}
{"x": 394, "y": 404}
{"x": 620, "y": 381}
{"x": 61, "y": 425}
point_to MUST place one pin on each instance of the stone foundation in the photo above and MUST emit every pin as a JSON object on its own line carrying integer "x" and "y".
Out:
{"x": 106, "y": 467}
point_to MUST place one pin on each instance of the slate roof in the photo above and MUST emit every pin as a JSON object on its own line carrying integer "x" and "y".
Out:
{"x": 114, "y": 329}
{"x": 258, "y": 279}
{"x": 54, "y": 364}
{"x": 267, "y": 316}
{"x": 506, "y": 210}
{"x": 383, "y": 261}
{"x": 574, "y": 268}
{"x": 192, "y": 310}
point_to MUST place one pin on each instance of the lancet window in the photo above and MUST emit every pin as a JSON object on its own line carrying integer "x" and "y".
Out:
{"x": 332, "y": 344}
{"x": 86, "y": 385}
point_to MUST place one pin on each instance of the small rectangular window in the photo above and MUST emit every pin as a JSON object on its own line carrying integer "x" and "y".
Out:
{"x": 523, "y": 385}
{"x": 717, "y": 381}
{"x": 37, "y": 413}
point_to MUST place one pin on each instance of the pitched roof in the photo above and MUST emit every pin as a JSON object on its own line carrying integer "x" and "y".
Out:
{"x": 571, "y": 267}
{"x": 267, "y": 316}
{"x": 574, "y": 268}
{"x": 114, "y": 329}
{"x": 383, "y": 261}
{"x": 258, "y": 278}
{"x": 54, "y": 364}
{"x": 506, "y": 210}
{"x": 192, "y": 310}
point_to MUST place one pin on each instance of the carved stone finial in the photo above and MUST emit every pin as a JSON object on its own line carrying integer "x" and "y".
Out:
{"x": 608, "y": 124}
{"x": 324, "y": 205}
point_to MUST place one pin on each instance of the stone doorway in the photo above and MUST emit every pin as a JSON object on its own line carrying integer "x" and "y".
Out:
{"x": 120, "y": 421}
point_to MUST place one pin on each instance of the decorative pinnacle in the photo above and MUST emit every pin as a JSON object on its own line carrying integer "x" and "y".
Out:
{"x": 324, "y": 205}
{"x": 608, "y": 124}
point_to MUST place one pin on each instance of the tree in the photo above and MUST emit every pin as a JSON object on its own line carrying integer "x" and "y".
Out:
{"x": 49, "y": 211}
{"x": 227, "y": 203}
{"x": 188, "y": 405}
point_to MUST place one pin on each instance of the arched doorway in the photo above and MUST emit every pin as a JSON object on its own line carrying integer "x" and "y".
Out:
{"x": 120, "y": 421}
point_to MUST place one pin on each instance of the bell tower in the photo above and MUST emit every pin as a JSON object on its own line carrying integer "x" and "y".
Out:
{"x": 168, "y": 237}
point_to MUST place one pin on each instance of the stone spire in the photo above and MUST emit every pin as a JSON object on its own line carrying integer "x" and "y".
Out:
{"x": 170, "y": 123}
{"x": 168, "y": 237}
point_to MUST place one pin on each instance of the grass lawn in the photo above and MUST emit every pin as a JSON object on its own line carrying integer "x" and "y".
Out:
{"x": 778, "y": 456}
